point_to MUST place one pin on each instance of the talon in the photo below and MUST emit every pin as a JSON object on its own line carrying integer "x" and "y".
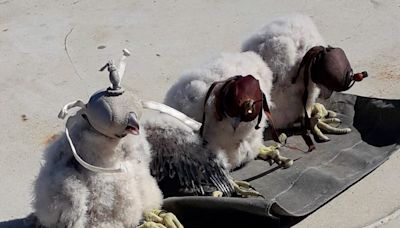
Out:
{"x": 319, "y": 111}
{"x": 217, "y": 194}
{"x": 319, "y": 133}
{"x": 147, "y": 224}
{"x": 321, "y": 118}
{"x": 329, "y": 129}
{"x": 331, "y": 114}
{"x": 271, "y": 154}
{"x": 152, "y": 216}
{"x": 170, "y": 220}
{"x": 331, "y": 120}
{"x": 282, "y": 138}
{"x": 244, "y": 189}
{"x": 160, "y": 219}
{"x": 243, "y": 184}
{"x": 286, "y": 163}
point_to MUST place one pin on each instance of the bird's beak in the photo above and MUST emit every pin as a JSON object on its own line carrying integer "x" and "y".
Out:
{"x": 235, "y": 121}
{"x": 133, "y": 125}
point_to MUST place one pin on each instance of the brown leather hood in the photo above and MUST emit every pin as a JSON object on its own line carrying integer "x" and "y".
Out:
{"x": 329, "y": 66}
{"x": 240, "y": 97}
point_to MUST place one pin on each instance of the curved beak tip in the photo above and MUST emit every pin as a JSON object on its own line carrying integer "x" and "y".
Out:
{"x": 133, "y": 125}
{"x": 235, "y": 122}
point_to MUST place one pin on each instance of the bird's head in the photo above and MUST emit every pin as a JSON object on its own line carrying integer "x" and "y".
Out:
{"x": 330, "y": 69}
{"x": 114, "y": 116}
{"x": 115, "y": 112}
{"x": 240, "y": 99}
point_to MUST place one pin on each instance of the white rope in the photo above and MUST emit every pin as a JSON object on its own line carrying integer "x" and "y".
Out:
{"x": 193, "y": 124}
{"x": 90, "y": 167}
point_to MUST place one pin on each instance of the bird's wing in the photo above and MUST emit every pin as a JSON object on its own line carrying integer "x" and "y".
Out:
{"x": 182, "y": 165}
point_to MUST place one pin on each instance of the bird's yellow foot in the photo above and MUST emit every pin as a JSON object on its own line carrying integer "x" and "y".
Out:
{"x": 160, "y": 219}
{"x": 271, "y": 154}
{"x": 244, "y": 189}
{"x": 321, "y": 120}
{"x": 217, "y": 194}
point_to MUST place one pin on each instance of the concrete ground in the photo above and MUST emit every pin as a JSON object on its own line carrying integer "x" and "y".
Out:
{"x": 51, "y": 51}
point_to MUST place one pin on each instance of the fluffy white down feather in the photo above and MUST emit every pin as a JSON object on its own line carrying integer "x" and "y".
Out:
{"x": 188, "y": 94}
{"x": 68, "y": 195}
{"x": 282, "y": 44}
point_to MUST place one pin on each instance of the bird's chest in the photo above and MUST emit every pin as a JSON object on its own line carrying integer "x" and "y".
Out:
{"x": 223, "y": 134}
{"x": 108, "y": 192}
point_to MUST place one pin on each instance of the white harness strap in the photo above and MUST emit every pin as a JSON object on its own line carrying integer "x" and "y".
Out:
{"x": 64, "y": 111}
{"x": 90, "y": 167}
{"x": 193, "y": 124}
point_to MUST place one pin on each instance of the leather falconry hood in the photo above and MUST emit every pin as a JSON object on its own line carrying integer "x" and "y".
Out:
{"x": 240, "y": 97}
{"x": 329, "y": 66}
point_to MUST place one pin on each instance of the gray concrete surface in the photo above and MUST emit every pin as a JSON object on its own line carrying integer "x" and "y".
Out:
{"x": 166, "y": 37}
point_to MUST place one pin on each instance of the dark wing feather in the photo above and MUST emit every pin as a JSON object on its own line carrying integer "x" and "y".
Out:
{"x": 182, "y": 165}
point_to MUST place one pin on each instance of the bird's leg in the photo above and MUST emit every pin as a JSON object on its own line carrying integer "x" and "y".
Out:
{"x": 271, "y": 154}
{"x": 321, "y": 120}
{"x": 160, "y": 219}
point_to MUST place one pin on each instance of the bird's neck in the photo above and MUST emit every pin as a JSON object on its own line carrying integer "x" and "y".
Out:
{"x": 97, "y": 149}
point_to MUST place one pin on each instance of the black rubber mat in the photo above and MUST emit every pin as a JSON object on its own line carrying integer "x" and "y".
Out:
{"x": 315, "y": 177}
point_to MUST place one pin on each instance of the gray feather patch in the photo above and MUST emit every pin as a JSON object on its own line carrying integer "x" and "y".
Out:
{"x": 182, "y": 165}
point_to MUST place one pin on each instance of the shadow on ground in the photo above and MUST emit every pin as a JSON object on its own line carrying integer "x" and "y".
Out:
{"x": 27, "y": 222}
